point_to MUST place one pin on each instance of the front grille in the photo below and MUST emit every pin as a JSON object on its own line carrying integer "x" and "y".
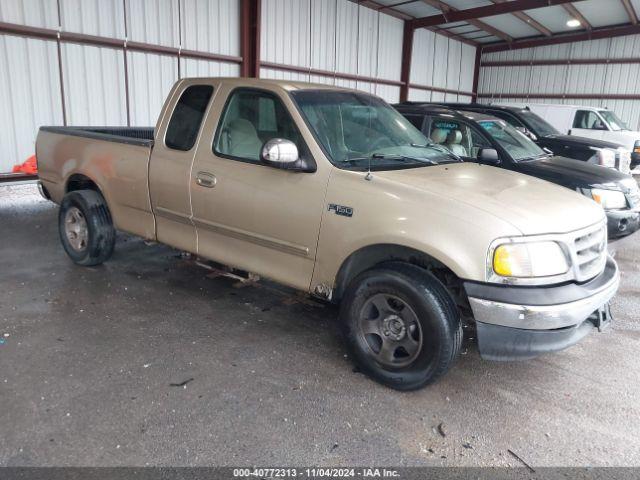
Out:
{"x": 590, "y": 252}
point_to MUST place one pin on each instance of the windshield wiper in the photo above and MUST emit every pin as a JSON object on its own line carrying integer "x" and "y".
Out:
{"x": 380, "y": 156}
{"x": 404, "y": 158}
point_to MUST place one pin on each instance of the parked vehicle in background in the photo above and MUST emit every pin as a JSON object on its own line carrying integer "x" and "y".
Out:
{"x": 333, "y": 192}
{"x": 592, "y": 122}
{"x": 607, "y": 154}
{"x": 487, "y": 139}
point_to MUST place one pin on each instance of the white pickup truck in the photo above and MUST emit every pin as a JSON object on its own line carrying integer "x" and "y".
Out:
{"x": 592, "y": 122}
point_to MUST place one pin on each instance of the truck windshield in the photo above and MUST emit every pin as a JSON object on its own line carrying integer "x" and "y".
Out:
{"x": 537, "y": 125}
{"x": 517, "y": 144}
{"x": 614, "y": 122}
{"x": 359, "y": 130}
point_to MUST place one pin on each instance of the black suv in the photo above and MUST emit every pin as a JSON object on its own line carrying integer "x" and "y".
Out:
{"x": 478, "y": 137}
{"x": 546, "y": 136}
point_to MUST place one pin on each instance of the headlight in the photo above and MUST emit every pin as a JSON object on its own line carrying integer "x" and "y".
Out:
{"x": 609, "y": 199}
{"x": 605, "y": 157}
{"x": 527, "y": 260}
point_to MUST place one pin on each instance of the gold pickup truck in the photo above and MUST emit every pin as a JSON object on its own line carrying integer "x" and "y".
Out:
{"x": 332, "y": 192}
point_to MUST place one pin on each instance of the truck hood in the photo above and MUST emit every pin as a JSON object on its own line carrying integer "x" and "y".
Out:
{"x": 584, "y": 142}
{"x": 531, "y": 205}
{"x": 572, "y": 173}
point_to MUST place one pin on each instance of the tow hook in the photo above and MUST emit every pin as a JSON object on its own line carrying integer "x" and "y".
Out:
{"x": 602, "y": 317}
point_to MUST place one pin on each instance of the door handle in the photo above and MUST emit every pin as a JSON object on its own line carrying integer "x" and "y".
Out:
{"x": 205, "y": 179}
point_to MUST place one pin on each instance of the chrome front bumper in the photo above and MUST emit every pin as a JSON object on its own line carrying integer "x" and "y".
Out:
{"x": 515, "y": 323}
{"x": 549, "y": 316}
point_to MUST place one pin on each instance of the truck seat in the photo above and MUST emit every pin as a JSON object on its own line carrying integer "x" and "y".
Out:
{"x": 241, "y": 139}
{"x": 439, "y": 136}
{"x": 454, "y": 140}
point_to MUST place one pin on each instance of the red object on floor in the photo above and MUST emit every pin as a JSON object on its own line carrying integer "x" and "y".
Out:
{"x": 29, "y": 167}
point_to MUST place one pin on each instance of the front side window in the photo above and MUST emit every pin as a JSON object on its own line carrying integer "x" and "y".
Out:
{"x": 251, "y": 118}
{"x": 588, "y": 120}
{"x": 187, "y": 116}
{"x": 452, "y": 135}
{"x": 457, "y": 137}
{"x": 517, "y": 144}
{"x": 358, "y": 131}
{"x": 613, "y": 120}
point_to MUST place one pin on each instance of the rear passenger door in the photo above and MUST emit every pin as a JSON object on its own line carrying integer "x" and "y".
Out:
{"x": 249, "y": 215}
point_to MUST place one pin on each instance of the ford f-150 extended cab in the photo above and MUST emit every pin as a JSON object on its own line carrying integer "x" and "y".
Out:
{"x": 333, "y": 192}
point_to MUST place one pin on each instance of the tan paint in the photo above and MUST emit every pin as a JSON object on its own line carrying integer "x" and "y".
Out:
{"x": 276, "y": 223}
{"x": 119, "y": 170}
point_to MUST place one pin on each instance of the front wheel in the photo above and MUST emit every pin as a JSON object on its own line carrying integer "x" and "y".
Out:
{"x": 85, "y": 227}
{"x": 401, "y": 325}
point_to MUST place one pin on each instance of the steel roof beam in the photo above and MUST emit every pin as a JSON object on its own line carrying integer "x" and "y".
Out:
{"x": 448, "y": 10}
{"x": 528, "y": 20}
{"x": 575, "y": 13}
{"x": 631, "y": 12}
{"x": 594, "y": 34}
{"x": 486, "y": 11}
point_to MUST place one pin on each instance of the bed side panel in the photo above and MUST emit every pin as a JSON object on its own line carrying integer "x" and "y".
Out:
{"x": 119, "y": 169}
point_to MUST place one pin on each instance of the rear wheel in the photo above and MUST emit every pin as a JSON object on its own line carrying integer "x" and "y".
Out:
{"x": 85, "y": 227}
{"x": 401, "y": 325}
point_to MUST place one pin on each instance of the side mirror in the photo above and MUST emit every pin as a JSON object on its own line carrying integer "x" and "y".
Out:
{"x": 488, "y": 156}
{"x": 283, "y": 154}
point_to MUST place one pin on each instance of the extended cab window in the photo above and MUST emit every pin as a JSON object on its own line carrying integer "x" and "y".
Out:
{"x": 185, "y": 122}
{"x": 251, "y": 118}
{"x": 588, "y": 120}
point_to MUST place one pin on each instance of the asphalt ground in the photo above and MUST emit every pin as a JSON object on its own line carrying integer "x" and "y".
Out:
{"x": 150, "y": 359}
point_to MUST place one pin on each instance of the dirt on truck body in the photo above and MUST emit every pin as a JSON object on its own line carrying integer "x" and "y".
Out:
{"x": 332, "y": 192}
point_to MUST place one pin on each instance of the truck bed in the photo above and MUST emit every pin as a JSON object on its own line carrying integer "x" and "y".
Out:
{"x": 115, "y": 159}
{"x": 130, "y": 135}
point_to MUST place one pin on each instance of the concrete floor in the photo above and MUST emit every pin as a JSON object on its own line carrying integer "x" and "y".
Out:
{"x": 88, "y": 357}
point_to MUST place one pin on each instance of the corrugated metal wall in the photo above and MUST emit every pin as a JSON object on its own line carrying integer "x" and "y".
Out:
{"x": 514, "y": 84}
{"x": 442, "y": 63}
{"x": 326, "y": 41}
{"x": 93, "y": 78}
{"x": 336, "y": 37}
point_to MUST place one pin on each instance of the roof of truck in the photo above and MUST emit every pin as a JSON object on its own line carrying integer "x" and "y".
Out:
{"x": 437, "y": 109}
{"x": 288, "y": 85}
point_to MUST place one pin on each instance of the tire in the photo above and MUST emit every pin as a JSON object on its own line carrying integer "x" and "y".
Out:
{"x": 85, "y": 227}
{"x": 369, "y": 313}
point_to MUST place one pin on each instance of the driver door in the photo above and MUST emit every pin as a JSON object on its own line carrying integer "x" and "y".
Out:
{"x": 588, "y": 123}
{"x": 248, "y": 215}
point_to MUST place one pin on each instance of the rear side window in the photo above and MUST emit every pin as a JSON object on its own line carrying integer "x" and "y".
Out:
{"x": 187, "y": 117}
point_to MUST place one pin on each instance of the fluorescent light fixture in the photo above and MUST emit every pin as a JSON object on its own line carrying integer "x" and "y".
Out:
{"x": 573, "y": 23}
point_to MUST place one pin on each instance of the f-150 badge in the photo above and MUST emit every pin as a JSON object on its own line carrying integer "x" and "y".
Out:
{"x": 341, "y": 210}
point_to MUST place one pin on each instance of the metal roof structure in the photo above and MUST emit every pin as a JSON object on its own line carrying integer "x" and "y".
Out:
{"x": 497, "y": 25}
